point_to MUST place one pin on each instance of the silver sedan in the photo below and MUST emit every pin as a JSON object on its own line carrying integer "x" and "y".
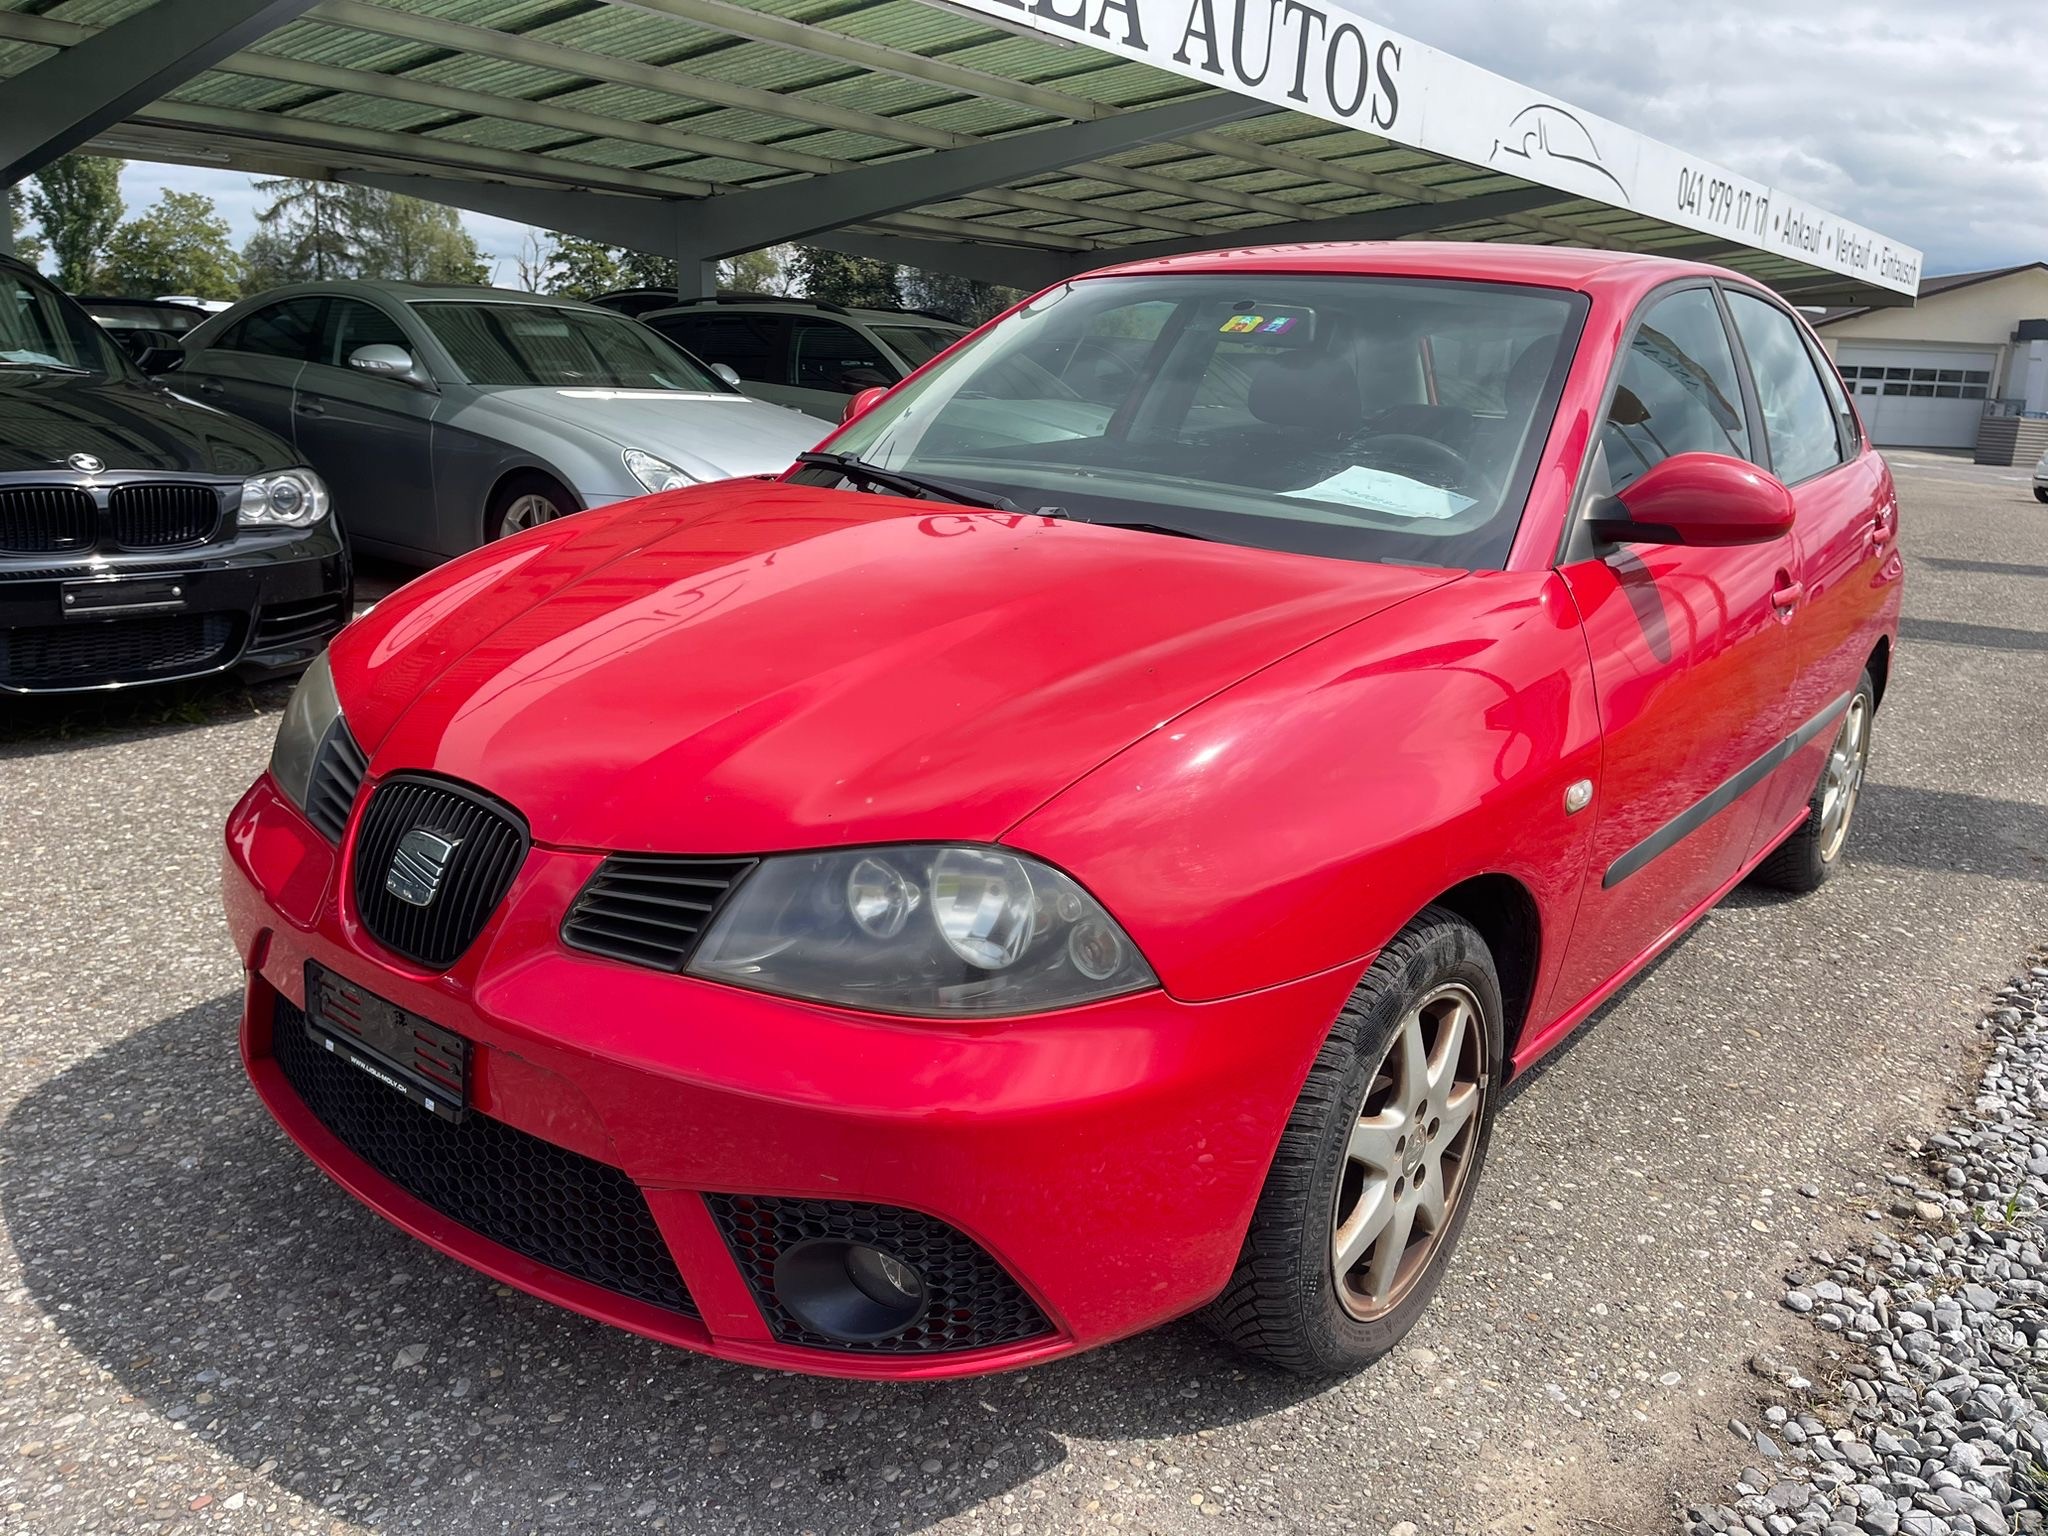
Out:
{"x": 443, "y": 418}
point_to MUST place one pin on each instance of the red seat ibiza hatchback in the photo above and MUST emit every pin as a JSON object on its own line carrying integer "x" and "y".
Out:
{"x": 1089, "y": 845}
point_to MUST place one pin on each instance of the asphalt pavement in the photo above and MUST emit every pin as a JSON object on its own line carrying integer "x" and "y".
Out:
{"x": 197, "y": 1331}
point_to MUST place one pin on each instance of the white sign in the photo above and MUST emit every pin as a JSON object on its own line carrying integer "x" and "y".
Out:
{"x": 1323, "y": 58}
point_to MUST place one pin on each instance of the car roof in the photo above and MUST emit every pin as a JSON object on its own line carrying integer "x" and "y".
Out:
{"x": 773, "y": 301}
{"x": 369, "y": 288}
{"x": 1544, "y": 266}
{"x": 129, "y": 299}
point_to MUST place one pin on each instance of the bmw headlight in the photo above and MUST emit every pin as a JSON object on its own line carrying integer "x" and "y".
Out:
{"x": 293, "y": 498}
{"x": 312, "y": 713}
{"x": 925, "y": 930}
{"x": 655, "y": 474}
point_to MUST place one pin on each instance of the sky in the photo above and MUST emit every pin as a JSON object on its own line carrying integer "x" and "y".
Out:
{"x": 1927, "y": 122}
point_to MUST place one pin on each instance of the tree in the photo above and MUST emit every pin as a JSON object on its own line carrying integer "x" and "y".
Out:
{"x": 858, "y": 282}
{"x": 579, "y": 268}
{"x": 77, "y": 201}
{"x": 966, "y": 299}
{"x": 311, "y": 232}
{"x": 751, "y": 272}
{"x": 530, "y": 264}
{"x": 13, "y": 217}
{"x": 179, "y": 246}
{"x": 407, "y": 240}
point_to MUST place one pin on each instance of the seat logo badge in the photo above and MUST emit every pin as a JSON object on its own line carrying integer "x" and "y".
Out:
{"x": 1578, "y": 797}
{"x": 419, "y": 866}
{"x": 86, "y": 464}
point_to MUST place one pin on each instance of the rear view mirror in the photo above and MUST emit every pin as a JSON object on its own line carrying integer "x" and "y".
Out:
{"x": 386, "y": 361}
{"x": 1704, "y": 500}
{"x": 861, "y": 402}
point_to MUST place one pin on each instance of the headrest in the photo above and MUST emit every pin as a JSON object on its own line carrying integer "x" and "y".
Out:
{"x": 1526, "y": 378}
{"x": 1310, "y": 390}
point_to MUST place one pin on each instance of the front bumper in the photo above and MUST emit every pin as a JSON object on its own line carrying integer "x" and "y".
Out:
{"x": 1105, "y": 1160}
{"x": 265, "y": 600}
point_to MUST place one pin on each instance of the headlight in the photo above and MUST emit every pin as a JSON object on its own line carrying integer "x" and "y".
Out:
{"x": 294, "y": 498}
{"x": 920, "y": 930}
{"x": 655, "y": 474}
{"x": 312, "y": 713}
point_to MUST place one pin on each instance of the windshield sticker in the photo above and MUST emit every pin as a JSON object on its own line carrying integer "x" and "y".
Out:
{"x": 1379, "y": 490}
{"x": 1270, "y": 323}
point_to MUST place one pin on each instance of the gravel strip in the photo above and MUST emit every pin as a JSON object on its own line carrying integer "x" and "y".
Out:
{"x": 1937, "y": 1341}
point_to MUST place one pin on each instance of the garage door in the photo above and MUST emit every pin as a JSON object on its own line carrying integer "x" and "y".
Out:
{"x": 1912, "y": 397}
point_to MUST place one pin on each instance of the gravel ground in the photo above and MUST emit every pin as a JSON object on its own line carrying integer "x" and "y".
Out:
{"x": 1936, "y": 1339}
{"x": 197, "y": 1331}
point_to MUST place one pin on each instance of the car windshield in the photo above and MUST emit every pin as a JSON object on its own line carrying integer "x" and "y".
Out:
{"x": 544, "y": 344}
{"x": 917, "y": 344}
{"x": 40, "y": 328}
{"x": 1361, "y": 417}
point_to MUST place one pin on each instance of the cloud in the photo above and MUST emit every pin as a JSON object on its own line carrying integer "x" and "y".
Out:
{"x": 1923, "y": 122}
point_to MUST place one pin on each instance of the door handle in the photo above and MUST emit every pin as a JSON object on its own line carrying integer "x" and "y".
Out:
{"x": 209, "y": 386}
{"x": 310, "y": 408}
{"x": 1786, "y": 595}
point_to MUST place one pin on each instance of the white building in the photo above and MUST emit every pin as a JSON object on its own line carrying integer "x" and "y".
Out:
{"x": 1968, "y": 362}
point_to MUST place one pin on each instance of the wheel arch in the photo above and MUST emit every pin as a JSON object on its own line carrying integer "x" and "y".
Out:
{"x": 1506, "y": 914}
{"x": 514, "y": 476}
{"x": 1880, "y": 668}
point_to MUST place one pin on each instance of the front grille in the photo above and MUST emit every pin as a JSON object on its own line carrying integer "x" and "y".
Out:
{"x": 971, "y": 1301}
{"x": 115, "y": 651}
{"x": 557, "y": 1207}
{"x": 44, "y": 519}
{"x": 650, "y": 911}
{"x": 162, "y": 516}
{"x": 304, "y": 623}
{"x": 490, "y": 844}
{"x": 338, "y": 769}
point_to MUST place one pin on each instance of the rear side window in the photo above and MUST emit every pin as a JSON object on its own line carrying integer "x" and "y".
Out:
{"x": 837, "y": 357}
{"x": 1799, "y": 421}
{"x": 289, "y": 330}
{"x": 1678, "y": 390}
{"x": 750, "y": 345}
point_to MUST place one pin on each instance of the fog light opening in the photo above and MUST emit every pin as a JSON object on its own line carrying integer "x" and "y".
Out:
{"x": 849, "y": 1292}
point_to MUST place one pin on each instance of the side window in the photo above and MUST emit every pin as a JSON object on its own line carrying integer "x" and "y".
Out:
{"x": 1677, "y": 392}
{"x": 750, "y": 345}
{"x": 1798, "y": 419}
{"x": 832, "y": 356}
{"x": 288, "y": 330}
{"x": 352, "y": 324}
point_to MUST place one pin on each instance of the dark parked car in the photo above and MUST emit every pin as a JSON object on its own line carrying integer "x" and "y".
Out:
{"x": 144, "y": 537}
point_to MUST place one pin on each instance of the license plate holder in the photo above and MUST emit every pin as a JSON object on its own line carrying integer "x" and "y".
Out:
{"x": 401, "y": 1050}
{"x": 107, "y": 597}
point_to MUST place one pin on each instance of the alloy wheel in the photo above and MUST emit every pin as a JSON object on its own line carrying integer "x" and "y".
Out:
{"x": 528, "y": 511}
{"x": 1410, "y": 1153}
{"x": 1843, "y": 781}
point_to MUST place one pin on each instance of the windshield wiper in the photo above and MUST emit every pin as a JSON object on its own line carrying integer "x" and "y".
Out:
{"x": 863, "y": 473}
{"x": 1161, "y": 528}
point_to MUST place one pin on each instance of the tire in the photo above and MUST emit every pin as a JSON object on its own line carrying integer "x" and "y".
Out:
{"x": 522, "y": 502}
{"x": 1284, "y": 1302}
{"x": 2041, "y": 493}
{"x": 1807, "y": 859}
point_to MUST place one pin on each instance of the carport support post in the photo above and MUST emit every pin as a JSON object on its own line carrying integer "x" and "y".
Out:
{"x": 696, "y": 276}
{"x": 7, "y": 220}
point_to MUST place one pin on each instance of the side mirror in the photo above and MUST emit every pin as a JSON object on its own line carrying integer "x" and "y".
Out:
{"x": 726, "y": 372}
{"x": 861, "y": 402}
{"x": 387, "y": 361}
{"x": 1700, "y": 499}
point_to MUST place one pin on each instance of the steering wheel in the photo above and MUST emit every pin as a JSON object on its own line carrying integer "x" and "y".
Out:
{"x": 1439, "y": 463}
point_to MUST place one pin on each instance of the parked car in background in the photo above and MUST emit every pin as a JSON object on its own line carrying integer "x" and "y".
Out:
{"x": 2041, "y": 479}
{"x": 803, "y": 353}
{"x": 143, "y": 537}
{"x": 991, "y": 892}
{"x": 211, "y": 306}
{"x": 448, "y": 417}
{"x": 140, "y": 326}
{"x": 636, "y": 301}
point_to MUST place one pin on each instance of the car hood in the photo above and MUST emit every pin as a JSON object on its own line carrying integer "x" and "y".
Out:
{"x": 709, "y": 437}
{"x": 126, "y": 424}
{"x": 756, "y": 666}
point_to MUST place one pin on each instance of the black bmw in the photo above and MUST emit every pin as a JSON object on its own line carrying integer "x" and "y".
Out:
{"x": 144, "y": 537}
